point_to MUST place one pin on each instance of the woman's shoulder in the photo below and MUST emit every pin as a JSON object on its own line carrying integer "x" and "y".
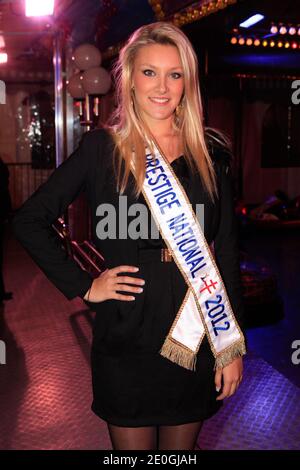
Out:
{"x": 97, "y": 147}
{"x": 97, "y": 136}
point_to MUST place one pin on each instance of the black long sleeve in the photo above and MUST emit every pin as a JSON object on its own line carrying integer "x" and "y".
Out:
{"x": 32, "y": 223}
{"x": 226, "y": 244}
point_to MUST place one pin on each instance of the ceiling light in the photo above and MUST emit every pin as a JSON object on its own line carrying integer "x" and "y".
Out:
{"x": 282, "y": 30}
{"x": 39, "y": 7}
{"x": 251, "y": 21}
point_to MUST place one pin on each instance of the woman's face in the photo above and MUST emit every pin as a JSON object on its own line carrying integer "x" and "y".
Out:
{"x": 158, "y": 82}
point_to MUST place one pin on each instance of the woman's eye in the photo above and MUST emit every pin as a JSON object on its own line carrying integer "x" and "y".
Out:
{"x": 176, "y": 75}
{"x": 148, "y": 72}
{"x": 151, "y": 73}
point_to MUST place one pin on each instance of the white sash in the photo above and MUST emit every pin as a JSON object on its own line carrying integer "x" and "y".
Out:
{"x": 206, "y": 308}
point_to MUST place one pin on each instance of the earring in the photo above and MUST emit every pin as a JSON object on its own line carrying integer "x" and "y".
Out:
{"x": 132, "y": 90}
{"x": 178, "y": 109}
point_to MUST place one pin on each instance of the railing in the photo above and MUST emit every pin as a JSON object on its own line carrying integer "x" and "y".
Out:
{"x": 85, "y": 254}
{"x": 24, "y": 180}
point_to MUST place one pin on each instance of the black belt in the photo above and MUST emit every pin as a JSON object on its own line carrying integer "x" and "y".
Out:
{"x": 155, "y": 254}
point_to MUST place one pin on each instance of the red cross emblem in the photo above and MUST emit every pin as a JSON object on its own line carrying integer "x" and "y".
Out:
{"x": 209, "y": 286}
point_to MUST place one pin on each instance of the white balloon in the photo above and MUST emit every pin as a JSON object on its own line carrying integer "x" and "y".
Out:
{"x": 96, "y": 81}
{"x": 75, "y": 87}
{"x": 87, "y": 56}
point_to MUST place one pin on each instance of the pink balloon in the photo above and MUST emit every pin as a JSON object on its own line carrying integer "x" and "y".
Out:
{"x": 96, "y": 81}
{"x": 87, "y": 56}
{"x": 75, "y": 87}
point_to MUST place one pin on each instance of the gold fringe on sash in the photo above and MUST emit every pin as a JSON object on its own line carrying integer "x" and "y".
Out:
{"x": 229, "y": 354}
{"x": 186, "y": 358}
{"x": 180, "y": 355}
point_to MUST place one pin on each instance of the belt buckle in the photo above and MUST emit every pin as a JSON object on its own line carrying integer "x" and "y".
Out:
{"x": 166, "y": 255}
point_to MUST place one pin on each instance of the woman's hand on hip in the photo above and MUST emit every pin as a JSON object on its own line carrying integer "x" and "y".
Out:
{"x": 105, "y": 286}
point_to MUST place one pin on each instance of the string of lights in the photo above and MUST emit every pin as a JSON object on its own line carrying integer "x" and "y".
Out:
{"x": 271, "y": 42}
{"x": 191, "y": 13}
{"x": 291, "y": 30}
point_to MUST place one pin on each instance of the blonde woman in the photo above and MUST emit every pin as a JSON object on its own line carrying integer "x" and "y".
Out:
{"x": 167, "y": 339}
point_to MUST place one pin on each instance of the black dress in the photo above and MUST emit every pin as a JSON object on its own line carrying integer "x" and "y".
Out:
{"x": 133, "y": 385}
{"x": 140, "y": 387}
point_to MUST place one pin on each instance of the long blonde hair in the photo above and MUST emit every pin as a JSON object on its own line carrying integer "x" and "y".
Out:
{"x": 126, "y": 125}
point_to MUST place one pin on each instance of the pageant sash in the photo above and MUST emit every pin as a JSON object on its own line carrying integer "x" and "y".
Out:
{"x": 206, "y": 308}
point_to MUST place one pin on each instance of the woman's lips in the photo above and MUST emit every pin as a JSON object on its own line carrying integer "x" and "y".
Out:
{"x": 160, "y": 101}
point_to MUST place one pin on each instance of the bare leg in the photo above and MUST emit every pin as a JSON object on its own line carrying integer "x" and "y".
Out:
{"x": 141, "y": 438}
{"x": 181, "y": 437}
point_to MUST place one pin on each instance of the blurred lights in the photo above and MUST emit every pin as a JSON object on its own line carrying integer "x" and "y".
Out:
{"x": 39, "y": 8}
{"x": 285, "y": 29}
{"x": 191, "y": 13}
{"x": 265, "y": 43}
{"x": 3, "y": 57}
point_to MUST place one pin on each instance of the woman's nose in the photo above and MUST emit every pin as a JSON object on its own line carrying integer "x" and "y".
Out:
{"x": 162, "y": 85}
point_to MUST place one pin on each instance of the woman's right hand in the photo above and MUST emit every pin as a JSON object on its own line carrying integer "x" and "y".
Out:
{"x": 105, "y": 286}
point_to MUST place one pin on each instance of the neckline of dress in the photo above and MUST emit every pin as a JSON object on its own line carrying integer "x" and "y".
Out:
{"x": 175, "y": 160}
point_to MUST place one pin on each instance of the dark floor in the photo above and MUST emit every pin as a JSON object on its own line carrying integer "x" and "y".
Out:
{"x": 45, "y": 389}
{"x": 281, "y": 251}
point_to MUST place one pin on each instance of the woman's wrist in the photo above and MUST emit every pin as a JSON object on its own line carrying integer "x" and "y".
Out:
{"x": 88, "y": 293}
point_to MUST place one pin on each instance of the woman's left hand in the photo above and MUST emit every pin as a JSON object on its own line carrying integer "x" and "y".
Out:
{"x": 232, "y": 377}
